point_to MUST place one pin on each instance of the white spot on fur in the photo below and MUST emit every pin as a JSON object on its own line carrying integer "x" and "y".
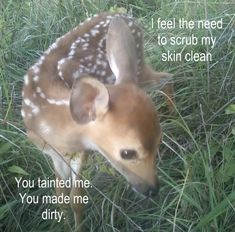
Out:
{"x": 100, "y": 44}
{"x": 60, "y": 62}
{"x": 88, "y": 57}
{"x": 138, "y": 34}
{"x": 51, "y": 101}
{"x": 34, "y": 108}
{"x": 27, "y": 102}
{"x": 100, "y": 56}
{"x": 97, "y": 26}
{"x": 23, "y": 113}
{"x": 130, "y": 24}
{"x": 104, "y": 64}
{"x": 63, "y": 36}
{"x": 36, "y": 78}
{"x": 85, "y": 45}
{"x": 38, "y": 89}
{"x": 54, "y": 46}
{"x": 72, "y": 52}
{"x": 26, "y": 79}
{"x": 58, "y": 39}
{"x": 78, "y": 40}
{"x": 94, "y": 32}
{"x": 51, "y": 48}
{"x": 35, "y": 69}
{"x": 42, "y": 95}
{"x": 58, "y": 102}
{"x": 44, "y": 127}
{"x": 74, "y": 29}
{"x": 94, "y": 68}
{"x": 42, "y": 58}
{"x": 39, "y": 63}
{"x": 106, "y": 23}
{"x": 83, "y": 40}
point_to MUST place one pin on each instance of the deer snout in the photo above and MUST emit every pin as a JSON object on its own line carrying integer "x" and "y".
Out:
{"x": 147, "y": 189}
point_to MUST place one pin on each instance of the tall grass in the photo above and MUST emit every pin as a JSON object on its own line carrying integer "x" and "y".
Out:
{"x": 197, "y": 156}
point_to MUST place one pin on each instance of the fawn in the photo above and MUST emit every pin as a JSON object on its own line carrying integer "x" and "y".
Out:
{"x": 83, "y": 94}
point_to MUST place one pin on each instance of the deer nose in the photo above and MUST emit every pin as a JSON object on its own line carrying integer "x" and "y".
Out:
{"x": 148, "y": 190}
{"x": 151, "y": 192}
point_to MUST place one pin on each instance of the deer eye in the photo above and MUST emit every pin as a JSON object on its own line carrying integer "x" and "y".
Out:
{"x": 128, "y": 154}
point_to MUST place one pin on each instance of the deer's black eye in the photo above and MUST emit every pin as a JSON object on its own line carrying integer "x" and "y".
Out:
{"x": 128, "y": 154}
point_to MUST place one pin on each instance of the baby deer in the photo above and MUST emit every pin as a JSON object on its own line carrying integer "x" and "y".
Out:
{"x": 83, "y": 94}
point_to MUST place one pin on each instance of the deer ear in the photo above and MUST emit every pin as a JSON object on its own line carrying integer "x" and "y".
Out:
{"x": 89, "y": 100}
{"x": 151, "y": 78}
{"x": 121, "y": 51}
{"x": 162, "y": 80}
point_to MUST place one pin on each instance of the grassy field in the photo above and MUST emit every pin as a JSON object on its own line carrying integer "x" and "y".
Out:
{"x": 197, "y": 164}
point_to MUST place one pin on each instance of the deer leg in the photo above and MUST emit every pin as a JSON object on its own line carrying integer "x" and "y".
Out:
{"x": 61, "y": 164}
{"x": 76, "y": 167}
{"x": 62, "y": 172}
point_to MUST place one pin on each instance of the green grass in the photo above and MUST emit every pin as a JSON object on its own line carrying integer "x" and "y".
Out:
{"x": 197, "y": 156}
